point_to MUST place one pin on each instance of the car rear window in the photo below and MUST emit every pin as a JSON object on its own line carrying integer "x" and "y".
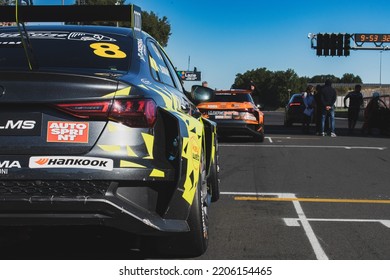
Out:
{"x": 66, "y": 49}
{"x": 297, "y": 99}
{"x": 227, "y": 97}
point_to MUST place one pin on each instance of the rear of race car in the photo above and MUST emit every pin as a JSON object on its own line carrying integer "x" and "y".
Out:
{"x": 65, "y": 138}
{"x": 83, "y": 140}
{"x": 235, "y": 113}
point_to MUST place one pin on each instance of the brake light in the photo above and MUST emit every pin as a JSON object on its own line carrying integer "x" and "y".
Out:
{"x": 248, "y": 116}
{"x": 133, "y": 112}
{"x": 87, "y": 109}
{"x": 295, "y": 104}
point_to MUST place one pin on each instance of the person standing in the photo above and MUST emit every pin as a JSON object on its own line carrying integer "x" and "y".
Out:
{"x": 328, "y": 99}
{"x": 355, "y": 102}
{"x": 318, "y": 109}
{"x": 308, "y": 100}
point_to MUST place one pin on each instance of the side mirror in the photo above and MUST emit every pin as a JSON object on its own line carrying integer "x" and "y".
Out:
{"x": 260, "y": 106}
{"x": 201, "y": 94}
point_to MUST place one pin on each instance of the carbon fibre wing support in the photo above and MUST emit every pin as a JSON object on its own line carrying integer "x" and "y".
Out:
{"x": 73, "y": 13}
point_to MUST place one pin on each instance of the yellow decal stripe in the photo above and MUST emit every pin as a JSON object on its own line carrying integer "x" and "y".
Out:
{"x": 130, "y": 152}
{"x": 112, "y": 128}
{"x": 167, "y": 100}
{"x": 128, "y": 164}
{"x": 157, "y": 173}
{"x": 149, "y": 142}
{"x": 122, "y": 92}
{"x": 153, "y": 64}
{"x": 192, "y": 152}
{"x": 110, "y": 148}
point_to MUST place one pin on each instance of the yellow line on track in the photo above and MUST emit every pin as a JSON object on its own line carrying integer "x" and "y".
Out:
{"x": 322, "y": 200}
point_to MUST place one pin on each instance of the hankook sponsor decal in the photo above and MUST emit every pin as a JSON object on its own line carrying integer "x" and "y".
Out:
{"x": 72, "y": 162}
{"x": 67, "y": 132}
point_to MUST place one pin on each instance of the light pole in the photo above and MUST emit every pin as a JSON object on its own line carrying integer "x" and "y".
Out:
{"x": 116, "y": 4}
{"x": 380, "y": 69}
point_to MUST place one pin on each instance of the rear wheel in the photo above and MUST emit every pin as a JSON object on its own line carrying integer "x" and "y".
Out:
{"x": 213, "y": 178}
{"x": 194, "y": 242}
{"x": 260, "y": 136}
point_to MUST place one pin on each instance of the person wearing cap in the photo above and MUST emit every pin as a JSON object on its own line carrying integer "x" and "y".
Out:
{"x": 205, "y": 84}
{"x": 328, "y": 99}
{"x": 355, "y": 102}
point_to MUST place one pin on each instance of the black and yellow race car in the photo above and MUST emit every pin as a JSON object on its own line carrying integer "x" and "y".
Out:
{"x": 96, "y": 129}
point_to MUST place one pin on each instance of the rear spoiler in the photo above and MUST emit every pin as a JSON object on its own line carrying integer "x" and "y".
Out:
{"x": 233, "y": 91}
{"x": 73, "y": 13}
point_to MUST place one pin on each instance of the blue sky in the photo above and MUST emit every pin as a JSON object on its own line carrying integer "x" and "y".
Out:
{"x": 223, "y": 38}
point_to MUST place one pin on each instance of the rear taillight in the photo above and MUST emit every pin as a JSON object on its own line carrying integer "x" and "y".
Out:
{"x": 87, "y": 109}
{"x": 295, "y": 104}
{"x": 133, "y": 112}
{"x": 248, "y": 116}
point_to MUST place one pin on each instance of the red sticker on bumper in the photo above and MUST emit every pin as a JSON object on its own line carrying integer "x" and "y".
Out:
{"x": 67, "y": 132}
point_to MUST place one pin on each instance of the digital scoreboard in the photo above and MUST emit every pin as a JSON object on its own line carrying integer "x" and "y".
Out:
{"x": 371, "y": 38}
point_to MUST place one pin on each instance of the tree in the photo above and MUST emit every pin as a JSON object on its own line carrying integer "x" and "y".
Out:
{"x": 158, "y": 28}
{"x": 322, "y": 78}
{"x": 349, "y": 78}
{"x": 272, "y": 88}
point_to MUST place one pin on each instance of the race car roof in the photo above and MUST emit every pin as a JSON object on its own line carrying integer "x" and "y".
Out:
{"x": 69, "y": 13}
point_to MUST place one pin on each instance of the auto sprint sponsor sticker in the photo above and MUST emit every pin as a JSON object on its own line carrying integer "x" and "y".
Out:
{"x": 71, "y": 162}
{"x": 67, "y": 132}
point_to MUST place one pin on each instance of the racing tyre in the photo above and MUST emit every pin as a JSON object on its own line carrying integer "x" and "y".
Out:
{"x": 213, "y": 178}
{"x": 260, "y": 136}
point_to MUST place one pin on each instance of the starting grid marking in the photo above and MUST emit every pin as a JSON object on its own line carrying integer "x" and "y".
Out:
{"x": 305, "y": 147}
{"x": 302, "y": 220}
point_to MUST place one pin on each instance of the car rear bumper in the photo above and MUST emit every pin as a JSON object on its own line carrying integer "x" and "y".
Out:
{"x": 127, "y": 206}
{"x": 237, "y": 127}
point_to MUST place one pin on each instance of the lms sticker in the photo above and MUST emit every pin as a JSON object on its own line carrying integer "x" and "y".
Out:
{"x": 67, "y": 132}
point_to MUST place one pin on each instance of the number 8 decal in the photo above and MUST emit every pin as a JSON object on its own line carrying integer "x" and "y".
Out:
{"x": 107, "y": 50}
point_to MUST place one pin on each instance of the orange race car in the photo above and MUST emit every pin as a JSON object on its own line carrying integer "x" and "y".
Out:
{"x": 235, "y": 113}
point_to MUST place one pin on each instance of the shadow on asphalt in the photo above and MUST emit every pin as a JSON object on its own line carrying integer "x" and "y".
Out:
{"x": 68, "y": 243}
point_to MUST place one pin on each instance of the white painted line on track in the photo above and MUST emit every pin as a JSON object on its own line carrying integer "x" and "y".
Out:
{"x": 269, "y": 139}
{"x": 318, "y": 251}
{"x": 292, "y": 222}
{"x": 306, "y": 147}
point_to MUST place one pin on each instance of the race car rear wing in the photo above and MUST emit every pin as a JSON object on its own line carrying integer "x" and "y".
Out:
{"x": 73, "y": 13}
